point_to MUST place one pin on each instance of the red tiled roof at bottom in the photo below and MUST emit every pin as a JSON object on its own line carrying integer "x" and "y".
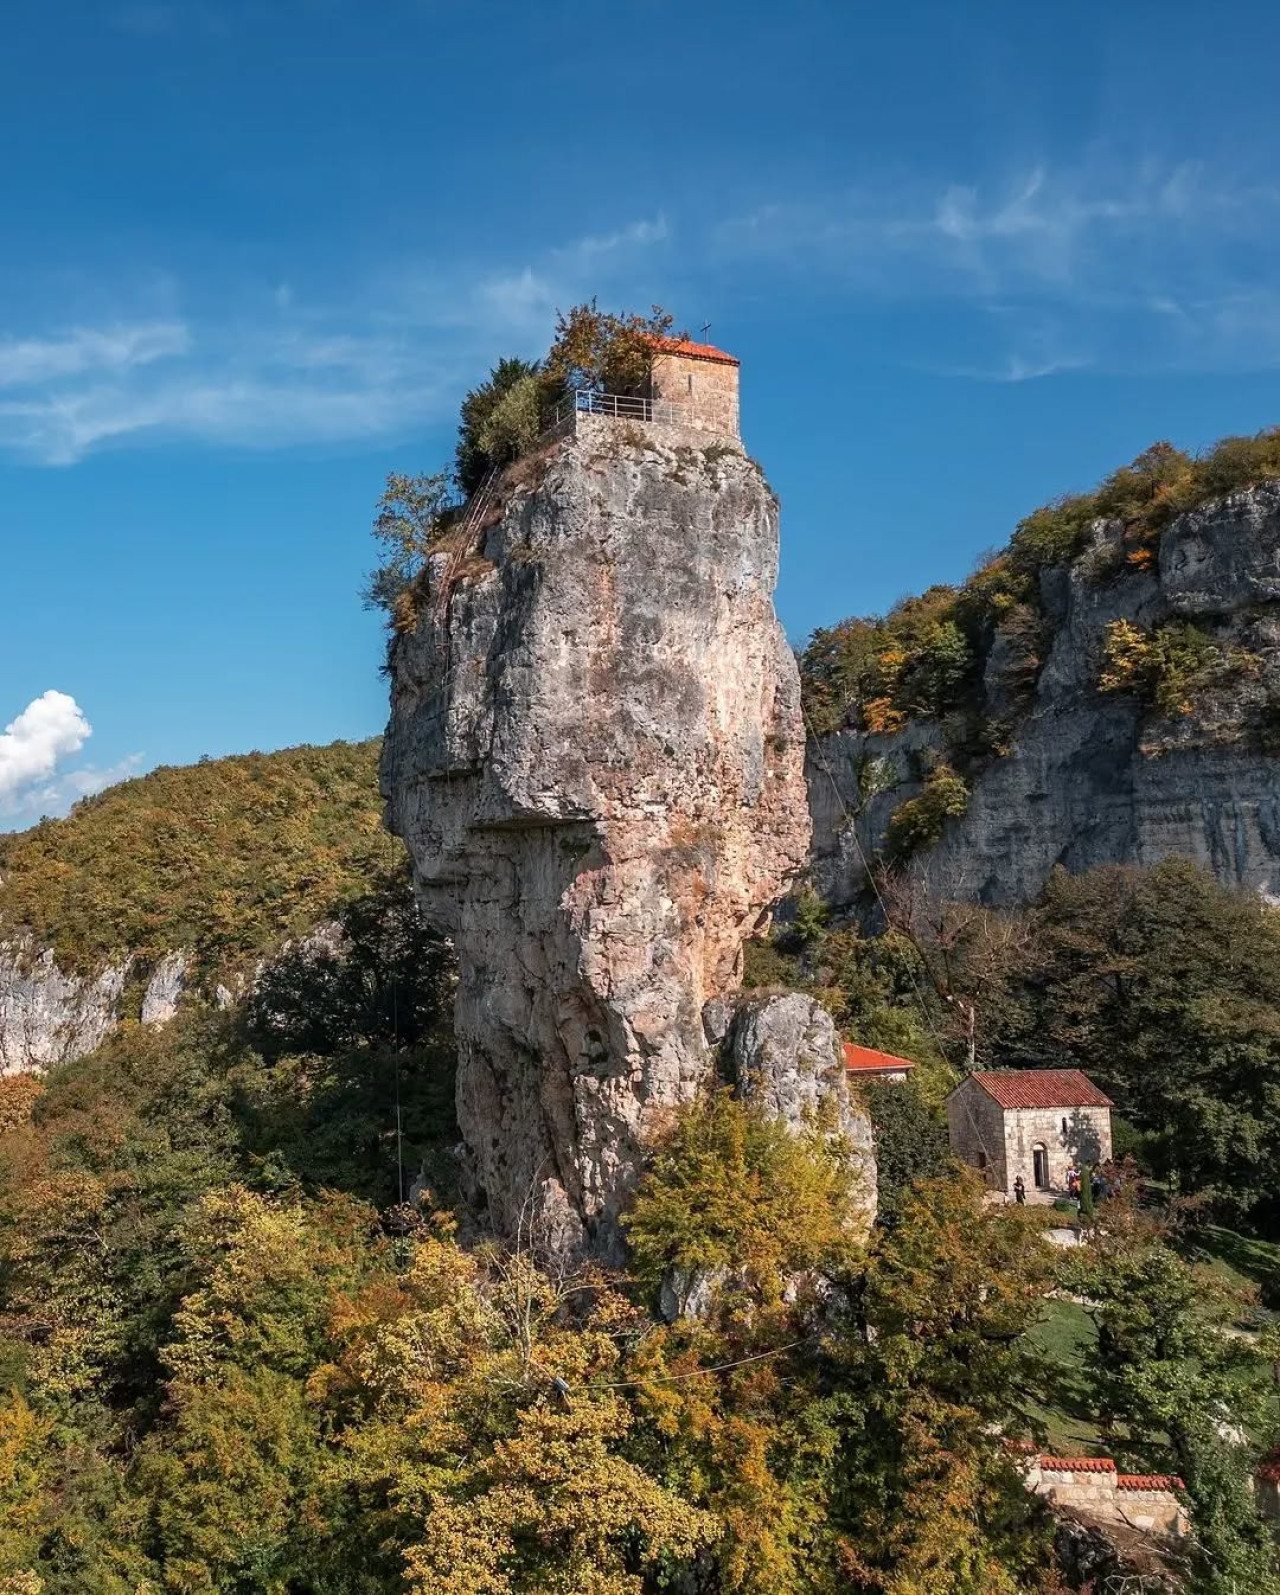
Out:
{"x": 1270, "y": 1471}
{"x": 1078, "y": 1464}
{"x": 1148, "y": 1481}
{"x": 865, "y": 1060}
{"x": 694, "y": 351}
{"x": 1040, "y": 1088}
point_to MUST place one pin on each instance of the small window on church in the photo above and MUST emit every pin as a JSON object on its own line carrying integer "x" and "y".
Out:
{"x": 689, "y": 380}
{"x": 982, "y": 1160}
{"x": 1064, "y": 1126}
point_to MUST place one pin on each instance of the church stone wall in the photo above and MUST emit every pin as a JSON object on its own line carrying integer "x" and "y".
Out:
{"x": 706, "y": 389}
{"x": 1148, "y": 1504}
{"x": 1068, "y": 1135}
{"x": 975, "y": 1128}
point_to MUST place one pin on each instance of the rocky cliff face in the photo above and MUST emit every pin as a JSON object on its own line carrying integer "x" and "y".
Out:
{"x": 595, "y": 757}
{"x": 49, "y": 1015}
{"x": 1096, "y": 778}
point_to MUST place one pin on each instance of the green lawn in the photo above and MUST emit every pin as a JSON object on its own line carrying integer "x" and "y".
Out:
{"x": 1065, "y": 1334}
{"x": 1241, "y": 1260}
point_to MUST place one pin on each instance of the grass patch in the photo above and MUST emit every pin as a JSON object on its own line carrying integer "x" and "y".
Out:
{"x": 1065, "y": 1335}
{"x": 1241, "y": 1261}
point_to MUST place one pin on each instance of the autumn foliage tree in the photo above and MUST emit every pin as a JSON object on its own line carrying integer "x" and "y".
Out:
{"x": 931, "y": 1504}
{"x": 601, "y": 351}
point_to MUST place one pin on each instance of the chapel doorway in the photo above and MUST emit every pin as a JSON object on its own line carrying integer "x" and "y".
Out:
{"x": 1040, "y": 1167}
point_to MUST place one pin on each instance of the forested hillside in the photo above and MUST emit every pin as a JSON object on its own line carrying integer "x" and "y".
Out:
{"x": 926, "y": 658}
{"x": 226, "y": 857}
{"x": 253, "y": 1340}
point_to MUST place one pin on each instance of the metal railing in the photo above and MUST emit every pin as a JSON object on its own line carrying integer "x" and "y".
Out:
{"x": 617, "y": 406}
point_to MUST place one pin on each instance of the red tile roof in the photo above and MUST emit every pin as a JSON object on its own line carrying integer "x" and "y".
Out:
{"x": 1270, "y": 1471}
{"x": 865, "y": 1060}
{"x": 1078, "y": 1464}
{"x": 1149, "y": 1481}
{"x": 694, "y": 351}
{"x": 1041, "y": 1088}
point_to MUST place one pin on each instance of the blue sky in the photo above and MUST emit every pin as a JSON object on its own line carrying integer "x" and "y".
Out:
{"x": 253, "y": 251}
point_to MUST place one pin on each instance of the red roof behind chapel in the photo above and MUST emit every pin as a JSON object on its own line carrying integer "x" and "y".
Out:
{"x": 866, "y": 1061}
{"x": 1041, "y": 1088}
{"x": 694, "y": 351}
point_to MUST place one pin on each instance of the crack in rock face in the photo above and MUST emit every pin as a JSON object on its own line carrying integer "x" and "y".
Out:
{"x": 595, "y": 757}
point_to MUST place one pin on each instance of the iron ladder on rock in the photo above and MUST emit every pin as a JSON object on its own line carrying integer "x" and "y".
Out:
{"x": 476, "y": 508}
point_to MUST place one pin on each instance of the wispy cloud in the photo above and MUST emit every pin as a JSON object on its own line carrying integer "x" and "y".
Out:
{"x": 389, "y": 358}
{"x": 635, "y": 236}
{"x": 1145, "y": 267}
{"x": 27, "y": 361}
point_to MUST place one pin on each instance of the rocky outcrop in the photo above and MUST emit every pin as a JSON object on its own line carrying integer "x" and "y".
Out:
{"x": 165, "y": 988}
{"x": 48, "y": 1015}
{"x": 1095, "y": 778}
{"x": 595, "y": 758}
{"x": 783, "y": 1052}
{"x": 52, "y": 1015}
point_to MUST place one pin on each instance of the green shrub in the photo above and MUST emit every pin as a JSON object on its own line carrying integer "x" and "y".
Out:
{"x": 911, "y": 1141}
{"x": 1267, "y": 721}
{"x": 513, "y": 425}
{"x": 1052, "y": 535}
{"x": 1164, "y": 667}
{"x": 918, "y": 823}
{"x": 477, "y": 432}
{"x": 412, "y": 515}
{"x": 1235, "y": 463}
{"x": 729, "y": 1189}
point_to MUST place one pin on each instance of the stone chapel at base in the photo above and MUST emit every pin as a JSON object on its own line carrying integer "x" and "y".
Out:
{"x": 1033, "y": 1123}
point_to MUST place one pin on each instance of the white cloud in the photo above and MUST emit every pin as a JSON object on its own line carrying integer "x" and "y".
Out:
{"x": 25, "y": 362}
{"x": 50, "y": 729}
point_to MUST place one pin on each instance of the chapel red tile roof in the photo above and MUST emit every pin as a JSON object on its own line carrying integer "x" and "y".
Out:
{"x": 1041, "y": 1088}
{"x": 1149, "y": 1481}
{"x": 1270, "y": 1470}
{"x": 694, "y": 351}
{"x": 1078, "y": 1464}
{"x": 865, "y": 1060}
